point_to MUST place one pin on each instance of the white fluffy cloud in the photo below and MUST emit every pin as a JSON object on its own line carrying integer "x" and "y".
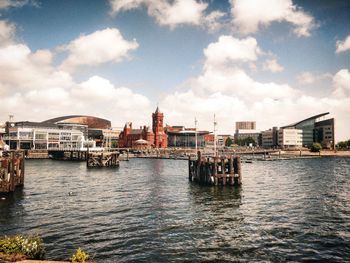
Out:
{"x": 102, "y": 46}
{"x": 343, "y": 46}
{"x": 249, "y": 15}
{"x": 307, "y": 78}
{"x": 231, "y": 94}
{"x": 229, "y": 49}
{"x": 173, "y": 13}
{"x": 7, "y": 32}
{"x": 341, "y": 83}
{"x": 33, "y": 88}
{"x": 272, "y": 65}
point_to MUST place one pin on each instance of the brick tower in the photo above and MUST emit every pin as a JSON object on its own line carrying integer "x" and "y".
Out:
{"x": 160, "y": 138}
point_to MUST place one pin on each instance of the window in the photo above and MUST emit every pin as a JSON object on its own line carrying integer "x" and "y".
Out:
{"x": 40, "y": 136}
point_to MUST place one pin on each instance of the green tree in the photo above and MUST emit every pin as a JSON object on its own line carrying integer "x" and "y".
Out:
{"x": 246, "y": 141}
{"x": 343, "y": 144}
{"x": 315, "y": 147}
{"x": 228, "y": 142}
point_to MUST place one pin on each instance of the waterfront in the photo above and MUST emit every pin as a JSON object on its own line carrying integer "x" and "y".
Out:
{"x": 147, "y": 211}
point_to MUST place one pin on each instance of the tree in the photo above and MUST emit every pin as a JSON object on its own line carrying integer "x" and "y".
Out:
{"x": 228, "y": 142}
{"x": 315, "y": 147}
{"x": 343, "y": 144}
{"x": 245, "y": 141}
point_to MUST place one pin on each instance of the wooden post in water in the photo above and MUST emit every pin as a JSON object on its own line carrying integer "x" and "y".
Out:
{"x": 230, "y": 170}
{"x": 190, "y": 164}
{"x": 223, "y": 172}
{"x": 215, "y": 170}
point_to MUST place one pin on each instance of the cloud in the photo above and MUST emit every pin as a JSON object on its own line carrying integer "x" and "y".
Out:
{"x": 307, "y": 78}
{"x": 229, "y": 92}
{"x": 100, "y": 47}
{"x": 272, "y": 65}
{"x": 33, "y": 88}
{"x": 4, "y": 4}
{"x": 229, "y": 49}
{"x": 173, "y": 13}
{"x": 250, "y": 15}
{"x": 343, "y": 46}
{"x": 341, "y": 84}
{"x": 7, "y": 32}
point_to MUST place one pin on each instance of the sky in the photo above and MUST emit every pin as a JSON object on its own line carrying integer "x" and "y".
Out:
{"x": 272, "y": 61}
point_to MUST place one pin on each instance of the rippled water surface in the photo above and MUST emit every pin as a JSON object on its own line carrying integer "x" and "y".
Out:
{"x": 147, "y": 211}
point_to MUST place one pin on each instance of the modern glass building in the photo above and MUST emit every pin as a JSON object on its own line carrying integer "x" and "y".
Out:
{"x": 311, "y": 127}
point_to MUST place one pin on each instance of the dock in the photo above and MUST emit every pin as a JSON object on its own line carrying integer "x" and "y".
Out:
{"x": 215, "y": 170}
{"x": 11, "y": 171}
{"x": 102, "y": 159}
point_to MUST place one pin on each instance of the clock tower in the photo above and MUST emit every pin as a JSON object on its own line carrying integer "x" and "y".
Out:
{"x": 160, "y": 138}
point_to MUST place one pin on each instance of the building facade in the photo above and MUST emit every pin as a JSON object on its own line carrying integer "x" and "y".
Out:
{"x": 66, "y": 132}
{"x": 160, "y": 138}
{"x": 35, "y": 136}
{"x": 316, "y": 129}
{"x": 302, "y": 133}
{"x": 290, "y": 138}
{"x": 245, "y": 125}
{"x": 324, "y": 133}
{"x": 155, "y": 138}
{"x": 269, "y": 138}
{"x": 179, "y": 136}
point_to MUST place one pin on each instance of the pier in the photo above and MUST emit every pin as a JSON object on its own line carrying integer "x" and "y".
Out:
{"x": 11, "y": 171}
{"x": 223, "y": 170}
{"x": 102, "y": 159}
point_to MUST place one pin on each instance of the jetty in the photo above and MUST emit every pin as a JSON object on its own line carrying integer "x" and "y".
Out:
{"x": 102, "y": 159}
{"x": 215, "y": 170}
{"x": 11, "y": 171}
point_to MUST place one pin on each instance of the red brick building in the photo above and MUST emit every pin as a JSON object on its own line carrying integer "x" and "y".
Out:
{"x": 155, "y": 137}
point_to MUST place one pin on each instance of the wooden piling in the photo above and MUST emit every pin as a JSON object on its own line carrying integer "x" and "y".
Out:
{"x": 225, "y": 170}
{"x": 102, "y": 159}
{"x": 11, "y": 171}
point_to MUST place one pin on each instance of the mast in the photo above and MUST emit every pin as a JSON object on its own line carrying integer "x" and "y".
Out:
{"x": 215, "y": 123}
{"x": 195, "y": 133}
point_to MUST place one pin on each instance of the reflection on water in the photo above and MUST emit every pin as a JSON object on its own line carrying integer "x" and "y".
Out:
{"x": 147, "y": 211}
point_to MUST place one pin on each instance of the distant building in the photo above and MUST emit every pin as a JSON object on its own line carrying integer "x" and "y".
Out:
{"x": 290, "y": 138}
{"x": 245, "y": 125}
{"x": 160, "y": 138}
{"x": 246, "y": 129}
{"x": 301, "y": 134}
{"x": 62, "y": 132}
{"x": 179, "y": 136}
{"x": 129, "y": 136}
{"x": 315, "y": 129}
{"x": 133, "y": 138}
{"x": 244, "y": 134}
{"x": 269, "y": 138}
{"x": 324, "y": 133}
{"x": 221, "y": 139}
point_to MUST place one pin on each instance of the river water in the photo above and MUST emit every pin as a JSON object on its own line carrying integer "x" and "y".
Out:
{"x": 147, "y": 211}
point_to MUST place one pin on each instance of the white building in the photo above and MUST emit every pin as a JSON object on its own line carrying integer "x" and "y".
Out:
{"x": 28, "y": 135}
{"x": 290, "y": 138}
